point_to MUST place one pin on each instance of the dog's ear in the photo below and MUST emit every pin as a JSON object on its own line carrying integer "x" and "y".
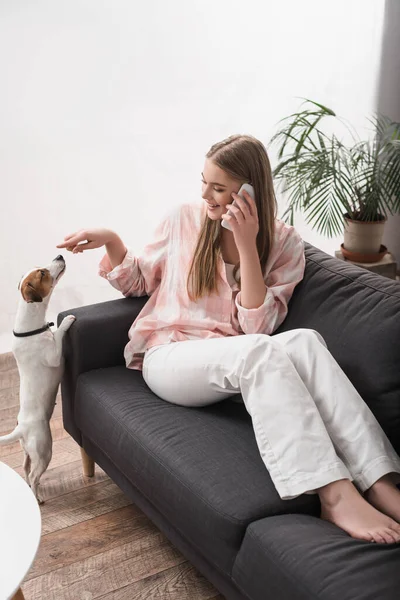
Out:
{"x": 30, "y": 294}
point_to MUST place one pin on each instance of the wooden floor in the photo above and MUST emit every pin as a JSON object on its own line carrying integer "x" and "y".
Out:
{"x": 95, "y": 542}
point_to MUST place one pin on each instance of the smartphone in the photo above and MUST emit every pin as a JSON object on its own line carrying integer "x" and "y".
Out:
{"x": 245, "y": 187}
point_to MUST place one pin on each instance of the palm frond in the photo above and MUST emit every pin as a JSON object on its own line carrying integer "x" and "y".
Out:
{"x": 324, "y": 178}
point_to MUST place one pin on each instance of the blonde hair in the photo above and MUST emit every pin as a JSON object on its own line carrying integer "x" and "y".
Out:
{"x": 244, "y": 158}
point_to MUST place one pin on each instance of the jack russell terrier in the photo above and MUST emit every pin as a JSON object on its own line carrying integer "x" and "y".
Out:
{"x": 38, "y": 352}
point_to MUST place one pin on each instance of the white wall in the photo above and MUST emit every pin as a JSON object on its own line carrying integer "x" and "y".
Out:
{"x": 108, "y": 108}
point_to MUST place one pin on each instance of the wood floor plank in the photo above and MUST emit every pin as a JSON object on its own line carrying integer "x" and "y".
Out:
{"x": 82, "y": 505}
{"x": 7, "y": 361}
{"x": 80, "y": 541}
{"x": 68, "y": 478}
{"x": 145, "y": 553}
{"x": 9, "y": 412}
{"x": 9, "y": 396}
{"x": 8, "y": 424}
{"x": 9, "y": 378}
{"x": 182, "y": 582}
{"x": 78, "y": 498}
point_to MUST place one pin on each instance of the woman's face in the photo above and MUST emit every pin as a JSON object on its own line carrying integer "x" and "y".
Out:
{"x": 217, "y": 189}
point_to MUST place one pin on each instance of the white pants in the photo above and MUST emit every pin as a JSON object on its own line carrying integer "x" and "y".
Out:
{"x": 311, "y": 425}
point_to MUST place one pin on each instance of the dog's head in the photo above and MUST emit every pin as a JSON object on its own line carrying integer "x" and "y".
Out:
{"x": 38, "y": 284}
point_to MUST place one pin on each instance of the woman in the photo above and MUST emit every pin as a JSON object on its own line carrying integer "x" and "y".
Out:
{"x": 216, "y": 296}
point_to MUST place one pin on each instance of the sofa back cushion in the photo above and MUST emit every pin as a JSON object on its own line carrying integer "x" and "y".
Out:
{"x": 358, "y": 314}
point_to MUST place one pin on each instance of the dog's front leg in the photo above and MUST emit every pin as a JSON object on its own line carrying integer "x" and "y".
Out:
{"x": 53, "y": 354}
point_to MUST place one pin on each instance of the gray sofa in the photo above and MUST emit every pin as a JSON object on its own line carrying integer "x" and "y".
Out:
{"x": 197, "y": 472}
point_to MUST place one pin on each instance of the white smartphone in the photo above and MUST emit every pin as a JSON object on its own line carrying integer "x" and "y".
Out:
{"x": 245, "y": 187}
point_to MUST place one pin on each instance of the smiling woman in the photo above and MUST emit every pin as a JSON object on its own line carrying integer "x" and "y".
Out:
{"x": 247, "y": 243}
{"x": 217, "y": 187}
{"x": 204, "y": 336}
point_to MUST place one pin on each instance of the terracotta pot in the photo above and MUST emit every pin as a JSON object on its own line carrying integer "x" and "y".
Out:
{"x": 363, "y": 258}
{"x": 364, "y": 237}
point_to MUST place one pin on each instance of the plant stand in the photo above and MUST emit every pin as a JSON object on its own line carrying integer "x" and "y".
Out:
{"x": 386, "y": 267}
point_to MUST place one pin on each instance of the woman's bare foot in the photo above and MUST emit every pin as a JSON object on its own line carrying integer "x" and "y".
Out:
{"x": 385, "y": 496}
{"x": 343, "y": 505}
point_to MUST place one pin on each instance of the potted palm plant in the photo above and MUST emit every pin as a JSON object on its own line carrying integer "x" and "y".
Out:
{"x": 336, "y": 185}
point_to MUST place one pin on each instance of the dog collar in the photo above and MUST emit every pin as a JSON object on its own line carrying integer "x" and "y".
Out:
{"x": 34, "y": 332}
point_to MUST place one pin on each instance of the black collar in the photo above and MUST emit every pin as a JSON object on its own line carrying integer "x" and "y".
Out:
{"x": 34, "y": 332}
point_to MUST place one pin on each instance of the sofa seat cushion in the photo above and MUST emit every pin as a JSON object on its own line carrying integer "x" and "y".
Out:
{"x": 200, "y": 467}
{"x": 303, "y": 557}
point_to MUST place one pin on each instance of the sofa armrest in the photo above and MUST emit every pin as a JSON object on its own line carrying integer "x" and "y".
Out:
{"x": 96, "y": 340}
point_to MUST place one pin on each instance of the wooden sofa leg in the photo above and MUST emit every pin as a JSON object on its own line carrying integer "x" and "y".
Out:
{"x": 88, "y": 464}
{"x": 18, "y": 595}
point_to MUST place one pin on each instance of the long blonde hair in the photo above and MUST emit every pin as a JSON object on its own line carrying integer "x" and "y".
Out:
{"x": 244, "y": 158}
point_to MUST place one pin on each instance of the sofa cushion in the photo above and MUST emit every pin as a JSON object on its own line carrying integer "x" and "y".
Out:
{"x": 358, "y": 315}
{"x": 302, "y": 557}
{"x": 200, "y": 467}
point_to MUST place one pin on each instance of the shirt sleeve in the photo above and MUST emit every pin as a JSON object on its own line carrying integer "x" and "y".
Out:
{"x": 140, "y": 276}
{"x": 285, "y": 273}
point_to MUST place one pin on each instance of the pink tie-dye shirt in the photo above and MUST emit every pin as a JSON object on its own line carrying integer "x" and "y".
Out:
{"x": 161, "y": 273}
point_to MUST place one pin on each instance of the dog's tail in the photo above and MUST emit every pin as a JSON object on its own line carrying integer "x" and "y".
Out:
{"x": 11, "y": 437}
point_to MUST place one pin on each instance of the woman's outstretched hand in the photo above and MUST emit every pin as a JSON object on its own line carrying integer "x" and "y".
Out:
{"x": 87, "y": 239}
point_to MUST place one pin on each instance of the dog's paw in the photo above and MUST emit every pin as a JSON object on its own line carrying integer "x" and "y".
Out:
{"x": 67, "y": 322}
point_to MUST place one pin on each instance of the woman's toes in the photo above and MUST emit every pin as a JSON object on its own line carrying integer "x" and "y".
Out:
{"x": 394, "y": 531}
{"x": 389, "y": 536}
{"x": 379, "y": 539}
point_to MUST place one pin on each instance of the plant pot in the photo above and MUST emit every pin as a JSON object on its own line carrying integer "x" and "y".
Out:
{"x": 363, "y": 237}
{"x": 363, "y": 258}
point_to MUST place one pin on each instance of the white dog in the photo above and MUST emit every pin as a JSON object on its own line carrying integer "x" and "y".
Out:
{"x": 38, "y": 352}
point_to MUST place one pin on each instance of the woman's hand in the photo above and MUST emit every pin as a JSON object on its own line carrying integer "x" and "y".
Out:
{"x": 92, "y": 238}
{"x": 244, "y": 221}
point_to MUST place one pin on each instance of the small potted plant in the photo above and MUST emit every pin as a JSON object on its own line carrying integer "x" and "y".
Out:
{"x": 340, "y": 186}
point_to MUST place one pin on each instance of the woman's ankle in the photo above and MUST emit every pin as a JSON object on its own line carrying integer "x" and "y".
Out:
{"x": 335, "y": 491}
{"x": 384, "y": 482}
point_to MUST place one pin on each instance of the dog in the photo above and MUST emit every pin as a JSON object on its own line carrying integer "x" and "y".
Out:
{"x": 38, "y": 352}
